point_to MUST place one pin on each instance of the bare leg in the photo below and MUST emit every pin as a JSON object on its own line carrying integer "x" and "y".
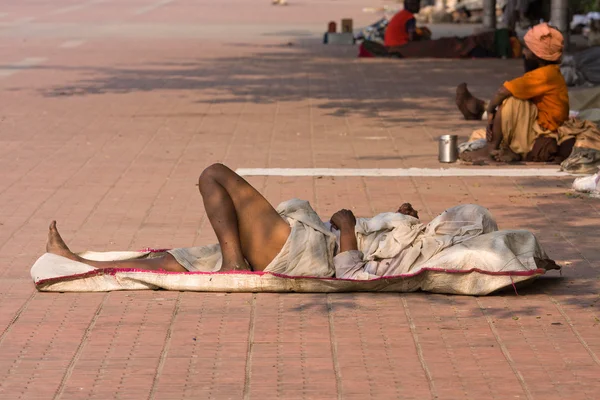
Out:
{"x": 494, "y": 144}
{"x": 491, "y": 152}
{"x": 471, "y": 107}
{"x": 56, "y": 245}
{"x": 246, "y": 225}
{"x": 501, "y": 154}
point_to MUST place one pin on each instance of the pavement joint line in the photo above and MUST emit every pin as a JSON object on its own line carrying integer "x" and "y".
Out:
{"x": 16, "y": 317}
{"x": 403, "y": 172}
{"x": 11, "y": 69}
{"x": 504, "y": 350}
{"x": 66, "y": 182}
{"x": 70, "y": 44}
{"x": 574, "y": 330}
{"x": 165, "y": 350}
{"x": 69, "y": 370}
{"x": 560, "y": 232}
{"x": 415, "y": 336}
{"x": 334, "y": 350}
{"x": 164, "y": 184}
{"x": 250, "y": 353}
{"x": 152, "y": 7}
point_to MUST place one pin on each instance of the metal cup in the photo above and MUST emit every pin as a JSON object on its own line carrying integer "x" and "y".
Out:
{"x": 448, "y": 149}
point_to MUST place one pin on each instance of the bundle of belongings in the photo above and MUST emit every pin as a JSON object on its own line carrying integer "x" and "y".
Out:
{"x": 582, "y": 68}
{"x": 588, "y": 25}
{"x": 529, "y": 118}
{"x": 459, "y": 252}
{"x": 401, "y": 37}
{"x": 585, "y": 109}
{"x": 588, "y": 184}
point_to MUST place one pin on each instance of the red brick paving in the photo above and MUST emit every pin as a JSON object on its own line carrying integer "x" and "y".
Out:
{"x": 109, "y": 137}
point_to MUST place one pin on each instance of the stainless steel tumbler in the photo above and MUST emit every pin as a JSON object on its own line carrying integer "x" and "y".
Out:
{"x": 448, "y": 149}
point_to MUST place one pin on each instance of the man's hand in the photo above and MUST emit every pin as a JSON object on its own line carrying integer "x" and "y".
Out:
{"x": 343, "y": 219}
{"x": 407, "y": 209}
{"x": 345, "y": 222}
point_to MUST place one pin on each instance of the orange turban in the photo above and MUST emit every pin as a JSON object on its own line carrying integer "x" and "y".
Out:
{"x": 545, "y": 42}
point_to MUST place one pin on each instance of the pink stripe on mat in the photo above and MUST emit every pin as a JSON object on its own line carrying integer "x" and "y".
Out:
{"x": 114, "y": 271}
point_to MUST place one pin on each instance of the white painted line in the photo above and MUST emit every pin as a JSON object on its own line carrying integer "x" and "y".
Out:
{"x": 76, "y": 7}
{"x": 402, "y": 172}
{"x": 152, "y": 7}
{"x": 69, "y": 44}
{"x": 11, "y": 69}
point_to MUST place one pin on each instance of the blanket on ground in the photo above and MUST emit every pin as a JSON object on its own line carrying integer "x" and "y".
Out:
{"x": 459, "y": 252}
{"x": 450, "y": 272}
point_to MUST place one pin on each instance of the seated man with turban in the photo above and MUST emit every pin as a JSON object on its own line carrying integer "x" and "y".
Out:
{"x": 525, "y": 114}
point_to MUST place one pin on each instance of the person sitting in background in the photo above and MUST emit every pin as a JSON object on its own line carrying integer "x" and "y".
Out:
{"x": 526, "y": 113}
{"x": 404, "y": 39}
{"x": 400, "y": 30}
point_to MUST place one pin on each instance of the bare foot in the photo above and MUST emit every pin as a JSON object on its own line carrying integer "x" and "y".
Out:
{"x": 471, "y": 107}
{"x": 56, "y": 245}
{"x": 505, "y": 155}
{"x": 241, "y": 265}
{"x": 476, "y": 156}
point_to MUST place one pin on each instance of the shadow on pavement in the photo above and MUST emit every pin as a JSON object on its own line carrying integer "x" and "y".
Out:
{"x": 331, "y": 76}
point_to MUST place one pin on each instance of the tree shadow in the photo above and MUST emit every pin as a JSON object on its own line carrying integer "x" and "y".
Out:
{"x": 332, "y": 77}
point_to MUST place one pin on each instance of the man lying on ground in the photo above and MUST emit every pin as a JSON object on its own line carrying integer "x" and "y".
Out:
{"x": 404, "y": 39}
{"x": 293, "y": 241}
{"x": 525, "y": 114}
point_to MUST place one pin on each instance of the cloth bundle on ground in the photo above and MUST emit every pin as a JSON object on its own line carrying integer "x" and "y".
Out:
{"x": 588, "y": 184}
{"x": 582, "y": 68}
{"x": 585, "y": 157}
{"x": 585, "y": 103}
{"x": 459, "y": 252}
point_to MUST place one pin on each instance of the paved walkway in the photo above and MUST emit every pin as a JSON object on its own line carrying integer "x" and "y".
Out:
{"x": 111, "y": 109}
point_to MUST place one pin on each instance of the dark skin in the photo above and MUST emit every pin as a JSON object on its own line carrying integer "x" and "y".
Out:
{"x": 414, "y": 6}
{"x": 345, "y": 221}
{"x": 494, "y": 134}
{"x": 250, "y": 231}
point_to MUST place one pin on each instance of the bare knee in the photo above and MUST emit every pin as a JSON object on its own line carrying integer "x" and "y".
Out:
{"x": 213, "y": 173}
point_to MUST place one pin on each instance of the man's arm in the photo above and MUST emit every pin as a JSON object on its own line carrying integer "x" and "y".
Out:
{"x": 501, "y": 95}
{"x": 349, "y": 263}
{"x": 345, "y": 221}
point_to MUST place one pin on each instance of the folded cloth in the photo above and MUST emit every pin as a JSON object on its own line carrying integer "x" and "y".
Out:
{"x": 308, "y": 250}
{"x": 472, "y": 146}
{"x": 588, "y": 184}
{"x": 520, "y": 128}
{"x": 586, "y": 133}
{"x": 582, "y": 161}
{"x": 496, "y": 252}
{"x": 395, "y": 248}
